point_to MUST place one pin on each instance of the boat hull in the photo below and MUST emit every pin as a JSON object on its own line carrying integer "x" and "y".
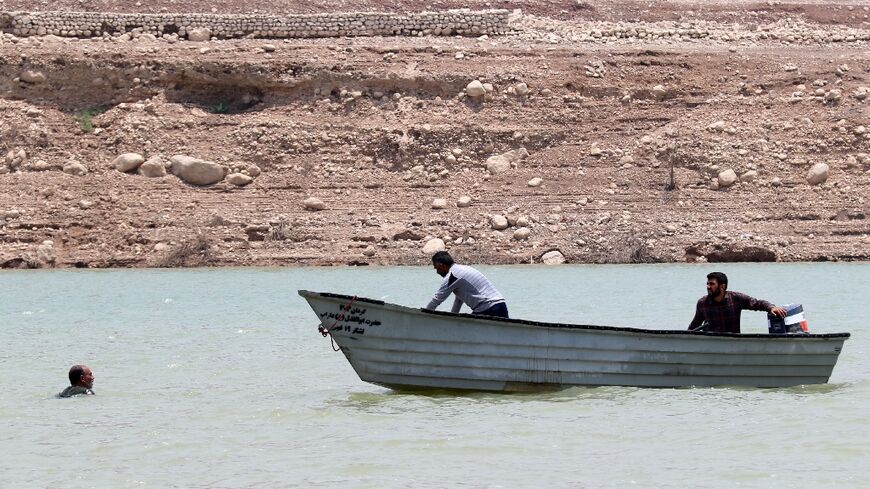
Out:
{"x": 402, "y": 347}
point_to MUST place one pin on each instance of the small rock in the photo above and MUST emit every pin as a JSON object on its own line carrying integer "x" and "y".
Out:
{"x": 749, "y": 176}
{"x": 535, "y": 182}
{"x": 439, "y": 203}
{"x": 369, "y": 251}
{"x": 464, "y": 201}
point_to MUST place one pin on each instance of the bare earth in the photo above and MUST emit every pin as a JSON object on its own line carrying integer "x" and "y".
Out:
{"x": 377, "y": 130}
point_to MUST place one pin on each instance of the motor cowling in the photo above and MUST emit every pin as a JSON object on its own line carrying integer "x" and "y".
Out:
{"x": 793, "y": 322}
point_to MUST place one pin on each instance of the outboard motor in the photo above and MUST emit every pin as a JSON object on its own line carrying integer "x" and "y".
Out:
{"x": 793, "y": 322}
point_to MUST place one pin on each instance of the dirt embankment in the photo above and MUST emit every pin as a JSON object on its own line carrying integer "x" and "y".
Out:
{"x": 696, "y": 144}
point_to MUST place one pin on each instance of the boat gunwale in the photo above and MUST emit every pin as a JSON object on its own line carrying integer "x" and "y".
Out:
{"x": 769, "y": 336}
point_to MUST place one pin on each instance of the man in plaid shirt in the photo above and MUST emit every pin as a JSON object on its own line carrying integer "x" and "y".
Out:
{"x": 719, "y": 310}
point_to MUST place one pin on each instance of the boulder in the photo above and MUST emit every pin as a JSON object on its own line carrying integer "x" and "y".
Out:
{"x": 554, "y": 257}
{"x": 505, "y": 161}
{"x": 45, "y": 252}
{"x": 42, "y": 165}
{"x": 178, "y": 161}
{"x": 749, "y": 176}
{"x": 521, "y": 89}
{"x": 313, "y": 204}
{"x": 733, "y": 253}
{"x": 833, "y": 96}
{"x": 497, "y": 164}
{"x": 15, "y": 159}
{"x": 73, "y": 167}
{"x": 727, "y": 178}
{"x": 128, "y": 162}
{"x": 818, "y": 174}
{"x": 717, "y": 126}
{"x": 254, "y": 170}
{"x": 256, "y": 232}
{"x": 195, "y": 171}
{"x": 32, "y": 76}
{"x": 407, "y": 234}
{"x": 153, "y": 168}
{"x": 434, "y": 245}
{"x": 522, "y": 234}
{"x": 475, "y": 89}
{"x": 659, "y": 92}
{"x": 199, "y": 35}
{"x": 239, "y": 179}
{"x": 499, "y": 222}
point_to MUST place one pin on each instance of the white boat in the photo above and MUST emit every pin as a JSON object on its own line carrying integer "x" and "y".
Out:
{"x": 409, "y": 348}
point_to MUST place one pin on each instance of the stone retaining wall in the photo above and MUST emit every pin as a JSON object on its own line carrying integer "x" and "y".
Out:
{"x": 95, "y": 24}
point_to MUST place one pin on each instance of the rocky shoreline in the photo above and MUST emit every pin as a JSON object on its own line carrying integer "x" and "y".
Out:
{"x": 582, "y": 138}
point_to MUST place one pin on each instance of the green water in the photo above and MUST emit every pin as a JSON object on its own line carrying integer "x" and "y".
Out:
{"x": 218, "y": 379}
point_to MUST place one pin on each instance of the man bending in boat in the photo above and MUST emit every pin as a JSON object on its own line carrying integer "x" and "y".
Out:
{"x": 719, "y": 310}
{"x": 469, "y": 286}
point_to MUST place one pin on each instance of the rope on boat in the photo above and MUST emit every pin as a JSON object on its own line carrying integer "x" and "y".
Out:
{"x": 326, "y": 331}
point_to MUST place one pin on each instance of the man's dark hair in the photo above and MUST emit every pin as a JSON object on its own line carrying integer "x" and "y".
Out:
{"x": 442, "y": 257}
{"x": 75, "y": 374}
{"x": 719, "y": 277}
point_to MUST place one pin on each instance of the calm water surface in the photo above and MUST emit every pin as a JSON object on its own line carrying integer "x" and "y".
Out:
{"x": 218, "y": 379}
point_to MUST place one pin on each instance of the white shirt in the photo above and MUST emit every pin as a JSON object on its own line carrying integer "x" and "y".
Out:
{"x": 470, "y": 287}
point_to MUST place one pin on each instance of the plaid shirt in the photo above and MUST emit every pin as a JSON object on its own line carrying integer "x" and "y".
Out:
{"x": 724, "y": 317}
